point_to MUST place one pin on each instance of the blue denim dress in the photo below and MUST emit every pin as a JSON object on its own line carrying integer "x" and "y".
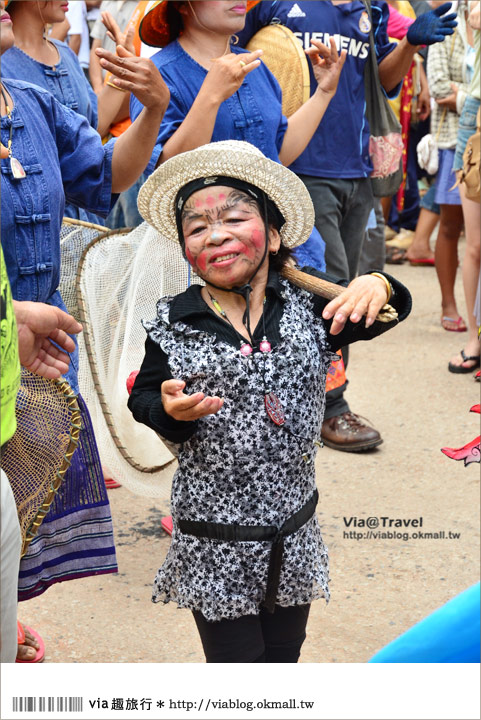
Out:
{"x": 253, "y": 113}
{"x": 63, "y": 157}
{"x": 67, "y": 83}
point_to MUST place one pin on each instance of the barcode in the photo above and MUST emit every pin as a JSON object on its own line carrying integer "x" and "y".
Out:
{"x": 47, "y": 704}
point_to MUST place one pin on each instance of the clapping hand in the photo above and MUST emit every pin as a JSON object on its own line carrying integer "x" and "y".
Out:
{"x": 126, "y": 39}
{"x": 326, "y": 64}
{"x": 228, "y": 72}
{"x": 136, "y": 75}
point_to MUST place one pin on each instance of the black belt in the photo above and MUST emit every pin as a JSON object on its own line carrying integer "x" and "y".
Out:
{"x": 221, "y": 531}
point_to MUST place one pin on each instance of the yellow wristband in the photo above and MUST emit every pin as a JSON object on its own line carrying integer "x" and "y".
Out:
{"x": 387, "y": 283}
{"x": 115, "y": 86}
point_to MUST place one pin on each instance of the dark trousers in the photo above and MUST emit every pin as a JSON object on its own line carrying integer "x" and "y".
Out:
{"x": 342, "y": 208}
{"x": 265, "y": 638}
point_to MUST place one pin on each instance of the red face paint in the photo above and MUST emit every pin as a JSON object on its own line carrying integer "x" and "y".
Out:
{"x": 224, "y": 236}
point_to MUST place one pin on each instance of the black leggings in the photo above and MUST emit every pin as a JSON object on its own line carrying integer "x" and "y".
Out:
{"x": 265, "y": 638}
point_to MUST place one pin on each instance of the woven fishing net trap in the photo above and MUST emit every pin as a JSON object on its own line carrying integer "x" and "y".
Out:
{"x": 38, "y": 455}
{"x": 120, "y": 276}
{"x": 285, "y": 57}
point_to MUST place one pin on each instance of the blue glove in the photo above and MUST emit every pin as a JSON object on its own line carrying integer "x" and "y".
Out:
{"x": 431, "y": 28}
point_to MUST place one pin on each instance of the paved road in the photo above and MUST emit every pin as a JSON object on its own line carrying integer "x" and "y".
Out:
{"x": 380, "y": 587}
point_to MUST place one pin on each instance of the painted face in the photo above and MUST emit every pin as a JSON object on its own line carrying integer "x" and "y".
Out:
{"x": 225, "y": 235}
{"x": 6, "y": 36}
{"x": 223, "y": 16}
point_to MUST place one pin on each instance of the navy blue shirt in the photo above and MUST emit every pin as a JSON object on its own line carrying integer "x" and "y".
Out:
{"x": 340, "y": 146}
{"x": 253, "y": 113}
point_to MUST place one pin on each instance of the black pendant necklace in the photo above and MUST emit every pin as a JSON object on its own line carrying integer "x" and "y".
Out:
{"x": 272, "y": 403}
{"x": 16, "y": 166}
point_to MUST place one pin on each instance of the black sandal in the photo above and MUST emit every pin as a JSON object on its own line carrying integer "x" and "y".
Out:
{"x": 460, "y": 369}
{"x": 395, "y": 255}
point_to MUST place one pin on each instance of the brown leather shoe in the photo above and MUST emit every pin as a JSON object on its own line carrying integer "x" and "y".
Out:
{"x": 349, "y": 433}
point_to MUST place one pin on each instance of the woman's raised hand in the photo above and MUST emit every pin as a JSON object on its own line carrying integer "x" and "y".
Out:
{"x": 228, "y": 72}
{"x": 364, "y": 296}
{"x": 137, "y": 75}
{"x": 126, "y": 39}
{"x": 326, "y": 64}
{"x": 187, "y": 407}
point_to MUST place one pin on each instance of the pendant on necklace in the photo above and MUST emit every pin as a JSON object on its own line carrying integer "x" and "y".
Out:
{"x": 245, "y": 349}
{"x": 17, "y": 168}
{"x": 274, "y": 408}
{"x": 264, "y": 345}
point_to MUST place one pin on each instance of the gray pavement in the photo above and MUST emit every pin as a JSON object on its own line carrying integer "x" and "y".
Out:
{"x": 380, "y": 587}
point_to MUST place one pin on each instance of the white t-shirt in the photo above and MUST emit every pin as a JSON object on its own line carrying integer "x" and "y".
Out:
{"x": 77, "y": 17}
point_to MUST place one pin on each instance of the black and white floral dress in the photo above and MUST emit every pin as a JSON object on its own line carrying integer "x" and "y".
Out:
{"x": 240, "y": 468}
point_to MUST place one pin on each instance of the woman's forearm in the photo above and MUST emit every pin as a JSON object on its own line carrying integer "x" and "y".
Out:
{"x": 302, "y": 125}
{"x": 134, "y": 148}
{"x": 195, "y": 130}
{"x": 113, "y": 106}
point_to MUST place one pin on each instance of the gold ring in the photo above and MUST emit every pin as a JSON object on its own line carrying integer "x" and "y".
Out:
{"x": 242, "y": 63}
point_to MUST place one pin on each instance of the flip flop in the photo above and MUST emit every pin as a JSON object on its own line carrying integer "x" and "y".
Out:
{"x": 166, "y": 524}
{"x": 110, "y": 483}
{"x": 459, "y": 369}
{"x": 422, "y": 261}
{"x": 460, "y": 324}
{"x": 395, "y": 255}
{"x": 40, "y": 655}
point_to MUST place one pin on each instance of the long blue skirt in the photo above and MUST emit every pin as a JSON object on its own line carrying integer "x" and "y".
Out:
{"x": 76, "y": 537}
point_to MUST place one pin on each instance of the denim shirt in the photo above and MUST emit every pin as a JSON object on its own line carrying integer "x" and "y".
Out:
{"x": 253, "y": 113}
{"x": 63, "y": 157}
{"x": 66, "y": 80}
{"x": 67, "y": 83}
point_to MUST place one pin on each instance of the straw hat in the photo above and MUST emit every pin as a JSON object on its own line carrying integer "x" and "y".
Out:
{"x": 228, "y": 158}
{"x": 155, "y": 29}
{"x": 285, "y": 57}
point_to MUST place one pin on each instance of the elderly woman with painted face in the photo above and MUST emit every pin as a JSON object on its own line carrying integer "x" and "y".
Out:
{"x": 234, "y": 378}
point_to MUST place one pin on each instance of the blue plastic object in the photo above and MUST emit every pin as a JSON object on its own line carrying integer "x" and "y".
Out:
{"x": 449, "y": 635}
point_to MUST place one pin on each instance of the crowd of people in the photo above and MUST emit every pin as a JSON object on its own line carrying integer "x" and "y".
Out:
{"x": 171, "y": 116}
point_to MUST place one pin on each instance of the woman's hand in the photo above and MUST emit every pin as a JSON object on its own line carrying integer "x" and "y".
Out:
{"x": 227, "y": 74}
{"x": 136, "y": 75}
{"x": 450, "y": 100}
{"x": 126, "y": 39}
{"x": 326, "y": 64}
{"x": 187, "y": 407}
{"x": 365, "y": 295}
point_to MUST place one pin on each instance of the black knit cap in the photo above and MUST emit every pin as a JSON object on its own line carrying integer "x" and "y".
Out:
{"x": 274, "y": 216}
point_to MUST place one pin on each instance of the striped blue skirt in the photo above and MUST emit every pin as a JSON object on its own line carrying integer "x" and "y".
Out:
{"x": 76, "y": 537}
